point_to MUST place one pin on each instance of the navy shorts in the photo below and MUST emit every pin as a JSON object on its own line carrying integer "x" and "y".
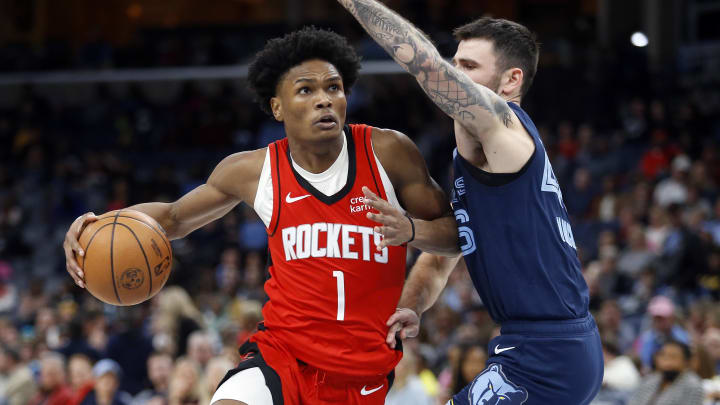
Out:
{"x": 539, "y": 363}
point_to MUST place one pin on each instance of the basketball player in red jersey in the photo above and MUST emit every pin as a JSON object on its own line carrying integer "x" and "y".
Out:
{"x": 333, "y": 281}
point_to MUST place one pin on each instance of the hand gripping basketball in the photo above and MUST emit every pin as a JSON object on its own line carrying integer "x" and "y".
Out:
{"x": 72, "y": 247}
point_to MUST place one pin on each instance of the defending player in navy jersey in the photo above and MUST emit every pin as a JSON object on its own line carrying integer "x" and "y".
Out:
{"x": 515, "y": 236}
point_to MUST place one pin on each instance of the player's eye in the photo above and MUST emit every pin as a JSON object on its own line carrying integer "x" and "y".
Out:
{"x": 304, "y": 90}
{"x": 334, "y": 87}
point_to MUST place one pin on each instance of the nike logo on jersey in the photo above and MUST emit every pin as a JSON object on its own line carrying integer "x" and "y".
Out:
{"x": 291, "y": 200}
{"x": 363, "y": 391}
{"x": 498, "y": 350}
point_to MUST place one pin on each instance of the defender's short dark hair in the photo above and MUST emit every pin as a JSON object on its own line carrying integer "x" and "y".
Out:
{"x": 282, "y": 54}
{"x": 514, "y": 44}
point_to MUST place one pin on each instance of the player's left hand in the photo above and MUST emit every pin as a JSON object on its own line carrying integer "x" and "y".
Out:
{"x": 396, "y": 228}
{"x": 404, "y": 323}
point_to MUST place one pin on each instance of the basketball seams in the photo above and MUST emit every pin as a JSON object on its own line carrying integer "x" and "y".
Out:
{"x": 163, "y": 236}
{"x": 160, "y": 234}
{"x": 147, "y": 262}
{"x": 112, "y": 264}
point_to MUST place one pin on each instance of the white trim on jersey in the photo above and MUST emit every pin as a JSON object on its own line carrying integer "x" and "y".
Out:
{"x": 263, "y": 203}
{"x": 246, "y": 386}
{"x": 328, "y": 182}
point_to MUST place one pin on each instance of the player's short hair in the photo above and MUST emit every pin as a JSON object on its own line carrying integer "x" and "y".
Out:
{"x": 282, "y": 54}
{"x": 514, "y": 44}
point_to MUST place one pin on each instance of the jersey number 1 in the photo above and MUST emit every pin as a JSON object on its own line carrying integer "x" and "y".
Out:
{"x": 341, "y": 294}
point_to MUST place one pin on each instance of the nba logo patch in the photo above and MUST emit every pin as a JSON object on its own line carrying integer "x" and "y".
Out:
{"x": 491, "y": 387}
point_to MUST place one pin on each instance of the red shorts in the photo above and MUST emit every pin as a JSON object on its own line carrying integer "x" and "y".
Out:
{"x": 292, "y": 382}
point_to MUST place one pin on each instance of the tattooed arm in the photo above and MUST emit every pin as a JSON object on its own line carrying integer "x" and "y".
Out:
{"x": 477, "y": 108}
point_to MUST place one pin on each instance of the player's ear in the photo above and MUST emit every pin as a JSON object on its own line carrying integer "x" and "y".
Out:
{"x": 511, "y": 82}
{"x": 276, "y": 108}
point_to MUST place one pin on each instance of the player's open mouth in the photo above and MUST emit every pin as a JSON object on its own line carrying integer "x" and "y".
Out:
{"x": 326, "y": 122}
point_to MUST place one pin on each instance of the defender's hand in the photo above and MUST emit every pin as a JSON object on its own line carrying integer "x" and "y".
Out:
{"x": 405, "y": 323}
{"x": 72, "y": 247}
{"x": 396, "y": 228}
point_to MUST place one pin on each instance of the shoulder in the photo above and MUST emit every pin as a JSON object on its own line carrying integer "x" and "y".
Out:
{"x": 389, "y": 140}
{"x": 397, "y": 153}
{"x": 399, "y": 156}
{"x": 238, "y": 173}
{"x": 692, "y": 380}
{"x": 248, "y": 164}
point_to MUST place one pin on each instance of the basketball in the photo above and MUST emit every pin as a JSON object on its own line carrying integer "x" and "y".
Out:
{"x": 127, "y": 257}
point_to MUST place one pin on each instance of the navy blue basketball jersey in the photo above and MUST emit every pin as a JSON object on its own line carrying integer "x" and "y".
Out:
{"x": 517, "y": 241}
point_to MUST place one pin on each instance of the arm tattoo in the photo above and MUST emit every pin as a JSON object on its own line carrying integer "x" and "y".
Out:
{"x": 448, "y": 88}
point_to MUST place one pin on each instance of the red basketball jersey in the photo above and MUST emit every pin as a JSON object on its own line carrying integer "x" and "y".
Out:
{"x": 330, "y": 290}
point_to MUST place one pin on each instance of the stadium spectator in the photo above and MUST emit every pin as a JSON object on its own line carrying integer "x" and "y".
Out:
{"x": 711, "y": 342}
{"x": 471, "y": 362}
{"x": 130, "y": 348}
{"x": 612, "y": 326}
{"x": 672, "y": 382}
{"x": 80, "y": 370}
{"x": 673, "y": 190}
{"x": 185, "y": 385}
{"x": 620, "y": 377}
{"x": 107, "y": 374}
{"x": 8, "y": 290}
{"x": 663, "y": 328}
{"x": 215, "y": 370}
{"x": 407, "y": 387}
{"x": 637, "y": 256}
{"x": 159, "y": 366}
{"x": 53, "y": 386}
{"x": 19, "y": 386}
{"x": 200, "y": 348}
{"x": 174, "y": 319}
{"x": 620, "y": 371}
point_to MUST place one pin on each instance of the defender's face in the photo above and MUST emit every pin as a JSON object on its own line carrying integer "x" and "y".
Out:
{"x": 476, "y": 57}
{"x": 311, "y": 101}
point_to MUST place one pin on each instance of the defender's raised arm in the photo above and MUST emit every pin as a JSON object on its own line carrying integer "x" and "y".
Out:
{"x": 474, "y": 106}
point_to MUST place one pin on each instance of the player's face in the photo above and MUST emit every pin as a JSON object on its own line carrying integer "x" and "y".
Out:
{"x": 311, "y": 101}
{"x": 476, "y": 57}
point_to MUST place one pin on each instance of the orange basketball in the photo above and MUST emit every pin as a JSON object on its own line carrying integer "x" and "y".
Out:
{"x": 127, "y": 257}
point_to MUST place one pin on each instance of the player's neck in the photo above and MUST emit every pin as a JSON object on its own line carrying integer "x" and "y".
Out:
{"x": 512, "y": 98}
{"x": 316, "y": 157}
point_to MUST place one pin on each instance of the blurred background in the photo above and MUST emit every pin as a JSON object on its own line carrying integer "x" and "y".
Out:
{"x": 108, "y": 104}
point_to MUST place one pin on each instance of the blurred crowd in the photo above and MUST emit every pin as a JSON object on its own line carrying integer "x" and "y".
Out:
{"x": 639, "y": 167}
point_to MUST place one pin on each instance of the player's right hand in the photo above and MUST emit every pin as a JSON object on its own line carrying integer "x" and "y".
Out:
{"x": 404, "y": 323}
{"x": 72, "y": 247}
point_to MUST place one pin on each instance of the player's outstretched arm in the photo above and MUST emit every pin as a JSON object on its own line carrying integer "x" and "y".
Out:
{"x": 475, "y": 107}
{"x": 223, "y": 190}
{"x": 432, "y": 221}
{"x": 427, "y": 279}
